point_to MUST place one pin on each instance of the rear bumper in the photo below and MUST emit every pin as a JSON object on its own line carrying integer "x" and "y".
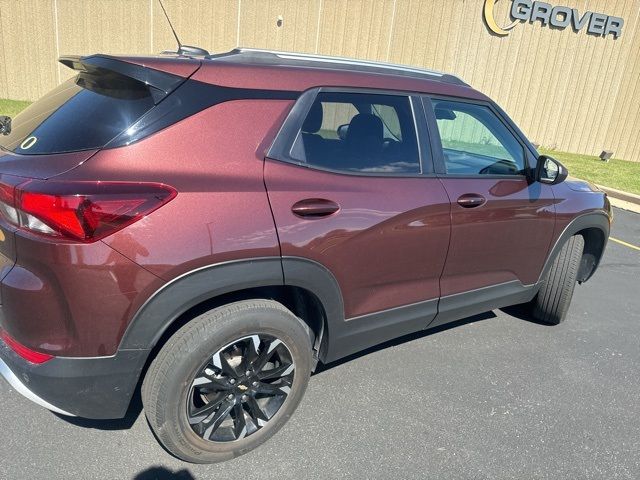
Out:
{"x": 97, "y": 388}
{"x": 20, "y": 387}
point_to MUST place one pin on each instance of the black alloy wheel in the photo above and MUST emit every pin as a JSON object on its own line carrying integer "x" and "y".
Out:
{"x": 240, "y": 388}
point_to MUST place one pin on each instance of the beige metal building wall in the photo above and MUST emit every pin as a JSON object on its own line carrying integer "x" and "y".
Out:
{"x": 567, "y": 90}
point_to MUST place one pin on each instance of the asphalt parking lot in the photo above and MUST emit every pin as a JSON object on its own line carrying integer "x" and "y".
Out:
{"x": 495, "y": 396}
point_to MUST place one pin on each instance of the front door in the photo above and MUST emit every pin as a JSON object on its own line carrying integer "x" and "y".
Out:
{"x": 501, "y": 221}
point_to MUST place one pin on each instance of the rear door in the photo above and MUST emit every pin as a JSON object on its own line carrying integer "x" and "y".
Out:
{"x": 502, "y": 221}
{"x": 351, "y": 190}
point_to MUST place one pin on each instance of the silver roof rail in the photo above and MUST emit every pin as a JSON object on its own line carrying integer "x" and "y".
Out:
{"x": 307, "y": 57}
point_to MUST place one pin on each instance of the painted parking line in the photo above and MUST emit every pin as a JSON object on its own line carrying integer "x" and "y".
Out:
{"x": 624, "y": 243}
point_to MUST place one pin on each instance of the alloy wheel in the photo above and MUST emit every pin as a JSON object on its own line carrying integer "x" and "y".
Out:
{"x": 240, "y": 388}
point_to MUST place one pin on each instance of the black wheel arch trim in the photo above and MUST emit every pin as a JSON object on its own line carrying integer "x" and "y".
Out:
{"x": 179, "y": 295}
{"x": 596, "y": 219}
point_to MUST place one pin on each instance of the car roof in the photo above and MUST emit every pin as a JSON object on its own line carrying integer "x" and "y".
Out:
{"x": 286, "y": 71}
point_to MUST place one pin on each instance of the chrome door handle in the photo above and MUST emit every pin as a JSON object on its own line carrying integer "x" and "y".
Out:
{"x": 471, "y": 200}
{"x": 315, "y": 208}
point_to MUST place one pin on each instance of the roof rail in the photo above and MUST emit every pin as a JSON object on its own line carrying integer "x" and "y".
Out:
{"x": 343, "y": 62}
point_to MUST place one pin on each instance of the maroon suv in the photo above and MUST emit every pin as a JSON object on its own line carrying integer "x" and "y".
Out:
{"x": 208, "y": 227}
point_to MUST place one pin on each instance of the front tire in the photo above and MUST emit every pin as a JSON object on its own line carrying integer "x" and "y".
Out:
{"x": 551, "y": 304}
{"x": 228, "y": 380}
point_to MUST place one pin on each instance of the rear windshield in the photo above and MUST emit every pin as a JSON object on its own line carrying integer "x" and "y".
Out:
{"x": 83, "y": 113}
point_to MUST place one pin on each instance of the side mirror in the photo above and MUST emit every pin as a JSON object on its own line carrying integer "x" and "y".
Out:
{"x": 444, "y": 114}
{"x": 342, "y": 131}
{"x": 5, "y": 125}
{"x": 550, "y": 171}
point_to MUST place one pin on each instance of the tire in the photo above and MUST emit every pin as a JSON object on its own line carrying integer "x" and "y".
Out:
{"x": 205, "y": 361}
{"x": 551, "y": 304}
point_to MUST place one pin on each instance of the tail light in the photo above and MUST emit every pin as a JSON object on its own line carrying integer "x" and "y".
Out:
{"x": 25, "y": 352}
{"x": 80, "y": 211}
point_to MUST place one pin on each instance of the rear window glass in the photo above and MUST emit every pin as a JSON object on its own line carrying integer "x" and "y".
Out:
{"x": 359, "y": 132}
{"x": 83, "y": 113}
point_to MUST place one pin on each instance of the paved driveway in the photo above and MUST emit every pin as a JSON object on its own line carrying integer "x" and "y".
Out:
{"x": 493, "y": 397}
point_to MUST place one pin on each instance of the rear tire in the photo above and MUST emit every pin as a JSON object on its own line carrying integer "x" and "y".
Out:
{"x": 551, "y": 304}
{"x": 228, "y": 380}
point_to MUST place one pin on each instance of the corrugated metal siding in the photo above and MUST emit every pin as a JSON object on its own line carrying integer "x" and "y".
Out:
{"x": 623, "y": 131}
{"x": 567, "y": 90}
{"x": 86, "y": 27}
{"x": 298, "y": 32}
{"x": 29, "y": 65}
{"x": 212, "y": 24}
{"x": 355, "y": 28}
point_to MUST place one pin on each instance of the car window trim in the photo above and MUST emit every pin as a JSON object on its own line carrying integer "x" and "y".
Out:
{"x": 285, "y": 138}
{"x": 438, "y": 153}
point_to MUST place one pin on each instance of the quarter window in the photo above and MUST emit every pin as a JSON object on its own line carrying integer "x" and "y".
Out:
{"x": 475, "y": 141}
{"x": 358, "y": 132}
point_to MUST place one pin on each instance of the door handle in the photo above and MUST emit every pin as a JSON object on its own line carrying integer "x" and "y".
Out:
{"x": 315, "y": 208}
{"x": 471, "y": 200}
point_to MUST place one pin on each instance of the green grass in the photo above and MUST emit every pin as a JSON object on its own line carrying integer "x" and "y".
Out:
{"x": 12, "y": 107}
{"x": 617, "y": 173}
{"x": 620, "y": 174}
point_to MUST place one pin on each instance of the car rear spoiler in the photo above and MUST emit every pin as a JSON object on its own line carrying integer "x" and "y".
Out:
{"x": 161, "y": 83}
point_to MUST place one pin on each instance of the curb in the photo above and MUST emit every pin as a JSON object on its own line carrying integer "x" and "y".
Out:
{"x": 621, "y": 199}
{"x": 620, "y": 194}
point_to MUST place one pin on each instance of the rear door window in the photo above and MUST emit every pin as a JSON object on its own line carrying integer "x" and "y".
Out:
{"x": 359, "y": 132}
{"x": 83, "y": 113}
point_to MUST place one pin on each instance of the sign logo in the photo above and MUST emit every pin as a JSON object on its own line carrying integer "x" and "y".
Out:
{"x": 560, "y": 17}
{"x": 489, "y": 7}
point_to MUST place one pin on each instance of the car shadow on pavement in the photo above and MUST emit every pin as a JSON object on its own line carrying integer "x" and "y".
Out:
{"x": 161, "y": 473}
{"x": 322, "y": 367}
{"x": 523, "y": 312}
